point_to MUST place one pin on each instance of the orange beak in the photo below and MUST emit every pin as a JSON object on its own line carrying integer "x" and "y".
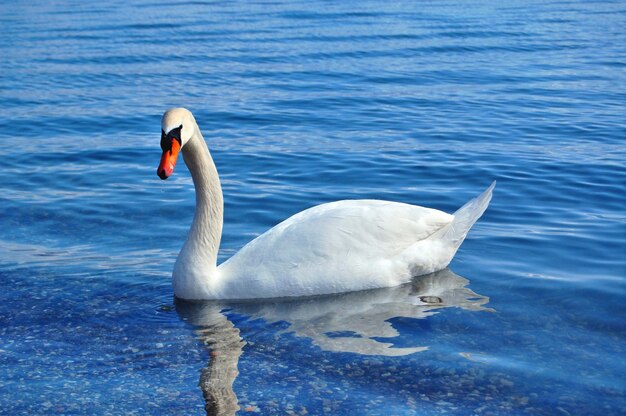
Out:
{"x": 168, "y": 161}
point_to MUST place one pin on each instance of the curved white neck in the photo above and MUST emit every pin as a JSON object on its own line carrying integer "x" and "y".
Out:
{"x": 197, "y": 260}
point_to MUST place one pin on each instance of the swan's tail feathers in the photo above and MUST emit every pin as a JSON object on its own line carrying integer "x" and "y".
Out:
{"x": 455, "y": 232}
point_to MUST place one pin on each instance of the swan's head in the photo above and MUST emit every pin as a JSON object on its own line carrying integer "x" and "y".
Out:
{"x": 177, "y": 127}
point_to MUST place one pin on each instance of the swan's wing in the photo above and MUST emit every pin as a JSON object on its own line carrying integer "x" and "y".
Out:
{"x": 351, "y": 228}
{"x": 339, "y": 246}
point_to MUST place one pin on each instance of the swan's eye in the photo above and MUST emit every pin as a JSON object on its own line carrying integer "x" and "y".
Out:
{"x": 166, "y": 142}
{"x": 166, "y": 139}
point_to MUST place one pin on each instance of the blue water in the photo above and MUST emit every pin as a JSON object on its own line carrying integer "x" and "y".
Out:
{"x": 303, "y": 103}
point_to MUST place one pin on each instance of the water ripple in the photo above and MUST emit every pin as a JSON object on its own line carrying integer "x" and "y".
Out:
{"x": 303, "y": 103}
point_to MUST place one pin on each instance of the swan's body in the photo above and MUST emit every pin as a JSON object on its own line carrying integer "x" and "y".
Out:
{"x": 336, "y": 247}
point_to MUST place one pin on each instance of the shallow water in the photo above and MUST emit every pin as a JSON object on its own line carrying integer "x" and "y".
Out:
{"x": 303, "y": 103}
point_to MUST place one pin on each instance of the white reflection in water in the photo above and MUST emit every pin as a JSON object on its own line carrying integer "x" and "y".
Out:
{"x": 347, "y": 322}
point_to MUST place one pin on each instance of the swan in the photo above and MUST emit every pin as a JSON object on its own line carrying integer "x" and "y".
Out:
{"x": 340, "y": 246}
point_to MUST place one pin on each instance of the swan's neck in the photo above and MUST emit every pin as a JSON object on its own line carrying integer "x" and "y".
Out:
{"x": 197, "y": 261}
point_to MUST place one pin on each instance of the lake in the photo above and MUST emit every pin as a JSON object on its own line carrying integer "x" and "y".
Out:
{"x": 303, "y": 103}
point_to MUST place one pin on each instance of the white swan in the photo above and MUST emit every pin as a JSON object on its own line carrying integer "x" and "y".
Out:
{"x": 335, "y": 247}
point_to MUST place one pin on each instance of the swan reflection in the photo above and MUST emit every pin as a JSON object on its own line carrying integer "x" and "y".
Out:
{"x": 347, "y": 322}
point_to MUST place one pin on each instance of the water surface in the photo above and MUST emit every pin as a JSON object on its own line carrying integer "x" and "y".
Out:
{"x": 304, "y": 103}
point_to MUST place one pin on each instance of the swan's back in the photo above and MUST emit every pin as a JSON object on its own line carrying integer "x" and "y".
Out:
{"x": 335, "y": 247}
